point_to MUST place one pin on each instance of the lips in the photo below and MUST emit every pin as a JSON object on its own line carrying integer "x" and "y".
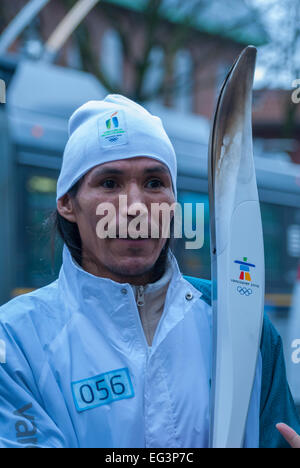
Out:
{"x": 133, "y": 239}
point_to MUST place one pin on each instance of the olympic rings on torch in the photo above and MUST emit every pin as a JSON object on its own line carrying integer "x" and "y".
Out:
{"x": 244, "y": 291}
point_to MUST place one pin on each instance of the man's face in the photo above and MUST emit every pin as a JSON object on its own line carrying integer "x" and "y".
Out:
{"x": 143, "y": 180}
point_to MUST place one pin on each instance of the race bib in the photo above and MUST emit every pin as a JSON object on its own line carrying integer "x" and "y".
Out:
{"x": 103, "y": 389}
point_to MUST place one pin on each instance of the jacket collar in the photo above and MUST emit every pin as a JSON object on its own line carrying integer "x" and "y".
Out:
{"x": 83, "y": 279}
{"x": 107, "y": 302}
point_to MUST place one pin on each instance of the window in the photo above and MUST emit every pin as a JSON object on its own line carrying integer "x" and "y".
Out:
{"x": 184, "y": 81}
{"x": 111, "y": 57}
{"x": 155, "y": 74}
{"x": 36, "y": 200}
{"x": 73, "y": 57}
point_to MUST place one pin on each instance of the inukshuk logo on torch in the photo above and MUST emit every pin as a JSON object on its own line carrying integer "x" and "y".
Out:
{"x": 245, "y": 269}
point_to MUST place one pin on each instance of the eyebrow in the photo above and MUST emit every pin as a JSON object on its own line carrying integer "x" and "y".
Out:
{"x": 113, "y": 171}
{"x": 107, "y": 170}
{"x": 160, "y": 169}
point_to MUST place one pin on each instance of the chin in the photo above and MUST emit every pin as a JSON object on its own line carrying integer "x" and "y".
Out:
{"x": 133, "y": 267}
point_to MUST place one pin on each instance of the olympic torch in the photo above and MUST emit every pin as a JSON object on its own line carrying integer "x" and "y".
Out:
{"x": 237, "y": 256}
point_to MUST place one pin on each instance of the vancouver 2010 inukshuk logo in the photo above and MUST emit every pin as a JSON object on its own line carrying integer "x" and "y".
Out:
{"x": 245, "y": 284}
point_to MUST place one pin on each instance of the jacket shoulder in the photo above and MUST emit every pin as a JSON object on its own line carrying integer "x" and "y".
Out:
{"x": 34, "y": 319}
{"x": 42, "y": 310}
{"x": 203, "y": 285}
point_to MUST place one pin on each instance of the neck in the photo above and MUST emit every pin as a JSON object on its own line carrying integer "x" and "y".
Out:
{"x": 154, "y": 274}
{"x": 139, "y": 280}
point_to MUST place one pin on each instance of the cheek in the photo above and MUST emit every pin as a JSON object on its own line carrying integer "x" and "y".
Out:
{"x": 87, "y": 218}
{"x": 169, "y": 197}
{"x": 89, "y": 221}
{"x": 158, "y": 198}
{"x": 163, "y": 205}
{"x": 87, "y": 226}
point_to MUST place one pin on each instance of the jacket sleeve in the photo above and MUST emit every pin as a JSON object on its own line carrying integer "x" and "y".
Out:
{"x": 24, "y": 422}
{"x": 277, "y": 404}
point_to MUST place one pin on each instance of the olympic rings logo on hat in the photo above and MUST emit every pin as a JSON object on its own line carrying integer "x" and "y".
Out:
{"x": 244, "y": 291}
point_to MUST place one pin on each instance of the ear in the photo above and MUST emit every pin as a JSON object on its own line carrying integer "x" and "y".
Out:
{"x": 66, "y": 208}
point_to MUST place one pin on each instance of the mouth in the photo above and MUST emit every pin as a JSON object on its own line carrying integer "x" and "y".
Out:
{"x": 131, "y": 239}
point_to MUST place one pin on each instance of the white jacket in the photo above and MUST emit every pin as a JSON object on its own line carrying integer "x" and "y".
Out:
{"x": 80, "y": 373}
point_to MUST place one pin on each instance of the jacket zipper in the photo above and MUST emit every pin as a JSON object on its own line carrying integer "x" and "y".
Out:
{"x": 140, "y": 296}
{"x": 140, "y": 301}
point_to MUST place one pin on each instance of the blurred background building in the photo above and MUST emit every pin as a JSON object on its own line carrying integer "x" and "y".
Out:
{"x": 172, "y": 56}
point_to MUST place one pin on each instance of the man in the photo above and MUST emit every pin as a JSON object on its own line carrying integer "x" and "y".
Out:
{"x": 116, "y": 352}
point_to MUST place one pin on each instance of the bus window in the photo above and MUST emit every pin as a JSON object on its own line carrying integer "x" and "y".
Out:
{"x": 36, "y": 202}
{"x": 281, "y": 264}
{"x": 194, "y": 262}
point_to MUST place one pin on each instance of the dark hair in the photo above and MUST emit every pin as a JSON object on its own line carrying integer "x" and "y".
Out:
{"x": 69, "y": 233}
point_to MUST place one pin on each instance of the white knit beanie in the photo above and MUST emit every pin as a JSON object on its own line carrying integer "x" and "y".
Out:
{"x": 110, "y": 130}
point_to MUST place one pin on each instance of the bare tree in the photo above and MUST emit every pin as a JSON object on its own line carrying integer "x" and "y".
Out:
{"x": 170, "y": 32}
{"x": 170, "y": 26}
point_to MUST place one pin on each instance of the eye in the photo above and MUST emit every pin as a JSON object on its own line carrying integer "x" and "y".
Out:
{"x": 109, "y": 184}
{"x": 154, "y": 183}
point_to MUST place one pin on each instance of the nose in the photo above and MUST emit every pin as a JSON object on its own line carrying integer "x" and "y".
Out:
{"x": 133, "y": 204}
{"x": 135, "y": 194}
{"x": 132, "y": 200}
